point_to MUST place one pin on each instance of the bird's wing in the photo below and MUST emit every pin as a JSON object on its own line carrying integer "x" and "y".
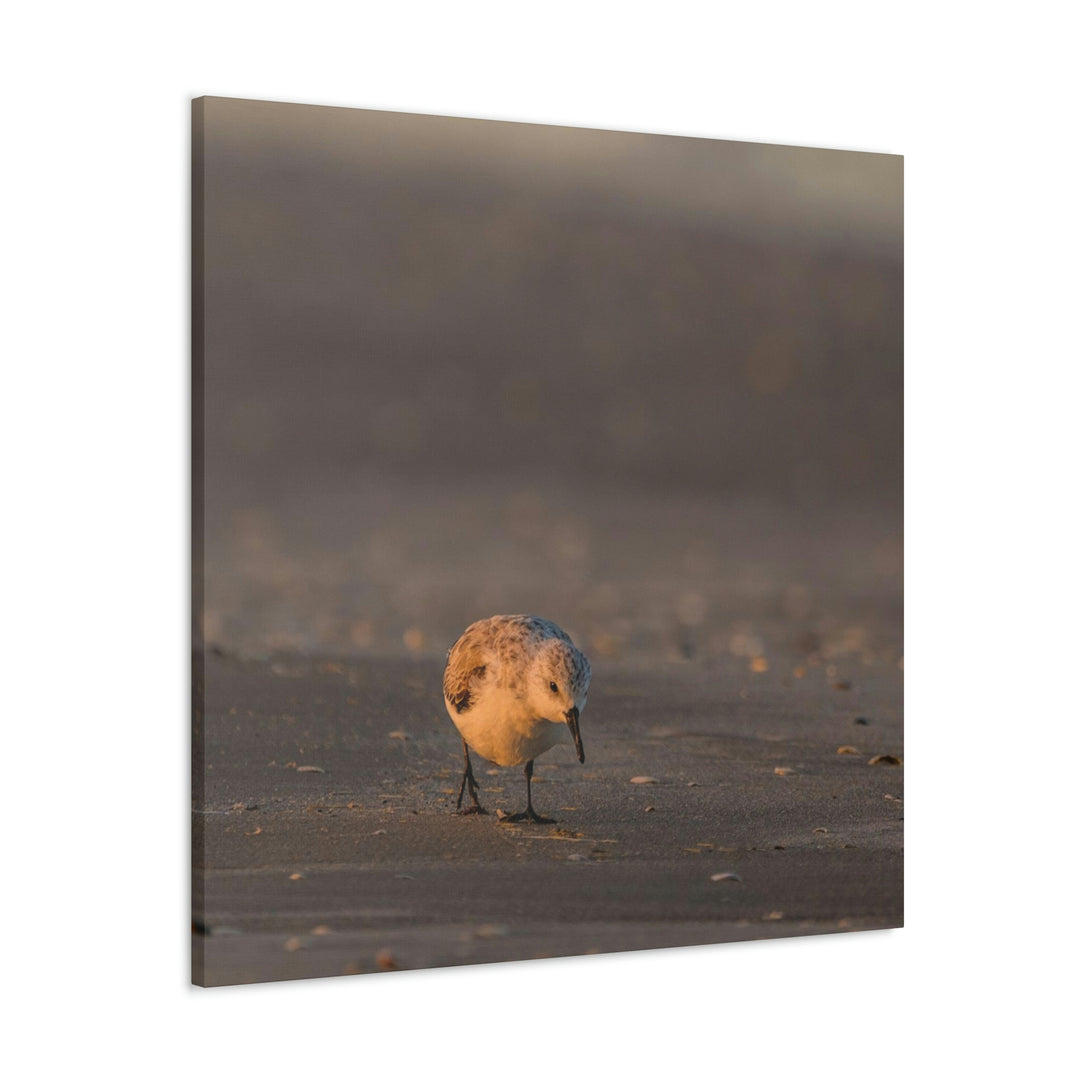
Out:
{"x": 465, "y": 668}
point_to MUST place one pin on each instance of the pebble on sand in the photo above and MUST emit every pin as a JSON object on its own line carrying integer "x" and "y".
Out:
{"x": 783, "y": 770}
{"x": 385, "y": 961}
{"x": 292, "y": 944}
{"x": 644, "y": 780}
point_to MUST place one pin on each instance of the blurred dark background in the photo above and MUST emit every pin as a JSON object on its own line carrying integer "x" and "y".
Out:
{"x": 648, "y": 386}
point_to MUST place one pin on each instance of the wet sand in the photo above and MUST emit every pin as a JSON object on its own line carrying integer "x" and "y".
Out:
{"x": 325, "y": 842}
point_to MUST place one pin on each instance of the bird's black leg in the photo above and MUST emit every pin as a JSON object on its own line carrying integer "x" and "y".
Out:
{"x": 468, "y": 778}
{"x": 529, "y": 814}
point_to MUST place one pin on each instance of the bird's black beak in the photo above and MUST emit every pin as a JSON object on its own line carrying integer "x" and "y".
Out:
{"x": 572, "y": 724}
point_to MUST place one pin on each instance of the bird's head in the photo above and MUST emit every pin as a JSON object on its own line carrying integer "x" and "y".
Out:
{"x": 559, "y": 686}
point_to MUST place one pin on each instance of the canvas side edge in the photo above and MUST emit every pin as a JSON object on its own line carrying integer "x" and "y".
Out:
{"x": 198, "y": 756}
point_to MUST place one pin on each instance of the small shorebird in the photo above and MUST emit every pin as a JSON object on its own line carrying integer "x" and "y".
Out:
{"x": 511, "y": 681}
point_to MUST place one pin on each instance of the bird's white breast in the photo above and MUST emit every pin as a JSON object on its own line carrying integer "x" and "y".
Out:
{"x": 500, "y": 727}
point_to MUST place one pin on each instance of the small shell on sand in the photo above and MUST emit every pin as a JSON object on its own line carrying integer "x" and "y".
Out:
{"x": 846, "y": 750}
{"x": 885, "y": 759}
{"x": 783, "y": 770}
{"x": 385, "y": 960}
{"x": 644, "y": 780}
{"x": 725, "y": 877}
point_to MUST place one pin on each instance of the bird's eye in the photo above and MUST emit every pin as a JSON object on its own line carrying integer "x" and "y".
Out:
{"x": 554, "y": 688}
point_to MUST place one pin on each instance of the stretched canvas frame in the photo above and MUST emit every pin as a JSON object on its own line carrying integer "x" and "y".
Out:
{"x": 648, "y": 388}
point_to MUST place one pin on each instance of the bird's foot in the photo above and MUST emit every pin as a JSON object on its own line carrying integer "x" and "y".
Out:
{"x": 527, "y": 815}
{"x": 475, "y": 809}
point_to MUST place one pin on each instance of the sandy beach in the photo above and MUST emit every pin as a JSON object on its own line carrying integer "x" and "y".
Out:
{"x": 325, "y": 842}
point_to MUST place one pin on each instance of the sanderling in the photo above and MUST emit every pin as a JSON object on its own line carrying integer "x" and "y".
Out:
{"x": 510, "y": 682}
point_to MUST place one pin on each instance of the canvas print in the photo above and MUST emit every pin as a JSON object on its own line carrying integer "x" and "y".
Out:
{"x": 547, "y": 541}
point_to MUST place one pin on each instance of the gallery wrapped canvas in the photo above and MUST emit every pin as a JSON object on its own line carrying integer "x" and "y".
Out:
{"x": 547, "y": 525}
